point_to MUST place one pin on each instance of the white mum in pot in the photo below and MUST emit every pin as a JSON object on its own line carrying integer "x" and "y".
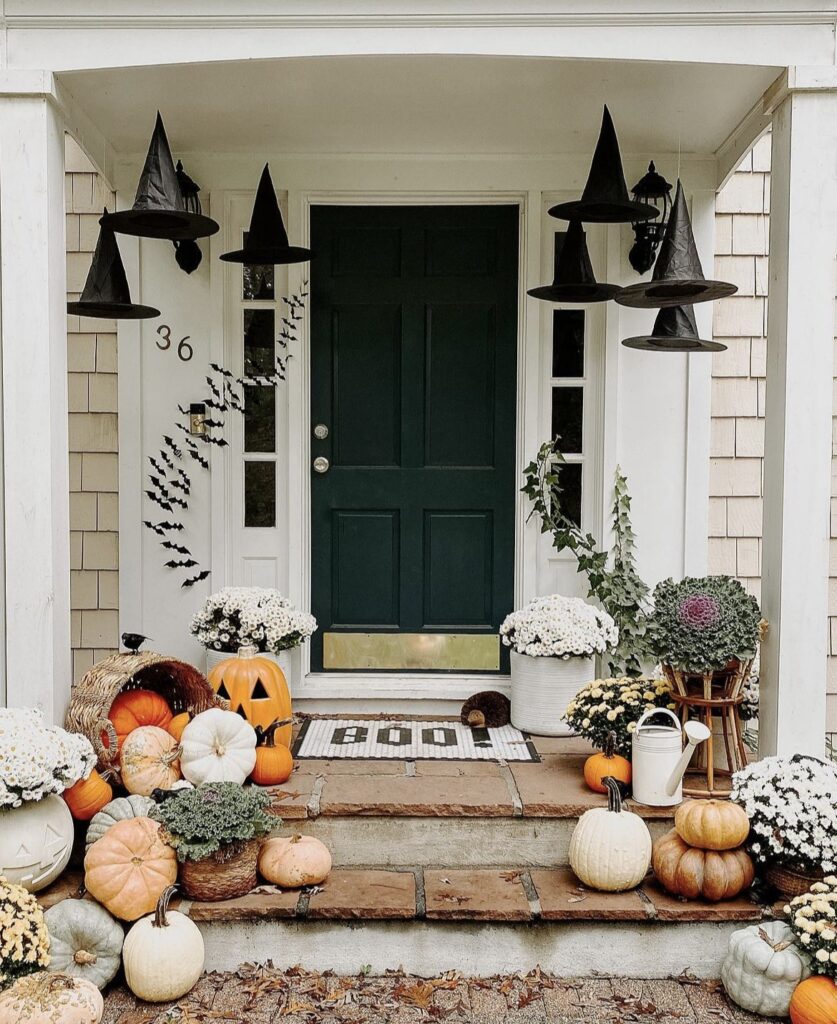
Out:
{"x": 251, "y": 616}
{"x": 554, "y": 641}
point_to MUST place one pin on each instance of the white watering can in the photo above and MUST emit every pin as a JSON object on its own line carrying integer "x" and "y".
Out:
{"x": 659, "y": 759}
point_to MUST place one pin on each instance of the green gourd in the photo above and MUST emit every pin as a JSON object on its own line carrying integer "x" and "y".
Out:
{"x": 120, "y": 809}
{"x": 84, "y": 941}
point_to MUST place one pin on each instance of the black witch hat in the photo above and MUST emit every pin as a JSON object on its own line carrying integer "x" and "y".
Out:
{"x": 267, "y": 239}
{"x": 159, "y": 210}
{"x": 574, "y": 278}
{"x": 678, "y": 274}
{"x": 106, "y": 294}
{"x": 605, "y": 198}
{"x": 675, "y": 330}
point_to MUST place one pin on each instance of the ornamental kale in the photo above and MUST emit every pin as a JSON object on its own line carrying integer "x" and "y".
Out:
{"x": 703, "y": 623}
{"x": 199, "y": 822}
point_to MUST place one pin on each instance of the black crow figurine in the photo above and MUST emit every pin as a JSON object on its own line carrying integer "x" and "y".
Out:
{"x": 133, "y": 641}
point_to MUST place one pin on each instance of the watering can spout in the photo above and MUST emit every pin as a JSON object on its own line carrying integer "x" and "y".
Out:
{"x": 696, "y": 732}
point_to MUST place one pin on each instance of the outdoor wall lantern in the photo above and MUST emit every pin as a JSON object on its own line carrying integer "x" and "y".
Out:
{"x": 652, "y": 189}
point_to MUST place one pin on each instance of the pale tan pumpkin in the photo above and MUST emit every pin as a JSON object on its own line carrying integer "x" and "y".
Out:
{"x": 129, "y": 867}
{"x": 149, "y": 760}
{"x": 712, "y": 824}
{"x": 294, "y": 862}
{"x": 691, "y": 872}
{"x": 163, "y": 954}
{"x": 44, "y": 998}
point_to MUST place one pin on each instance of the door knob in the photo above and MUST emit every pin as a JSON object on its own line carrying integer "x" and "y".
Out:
{"x": 321, "y": 431}
{"x": 321, "y": 464}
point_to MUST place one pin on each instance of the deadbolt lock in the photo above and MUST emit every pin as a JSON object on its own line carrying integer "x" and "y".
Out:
{"x": 321, "y": 431}
{"x": 321, "y": 464}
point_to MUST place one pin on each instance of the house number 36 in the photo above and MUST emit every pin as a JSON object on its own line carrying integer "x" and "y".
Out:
{"x": 184, "y": 349}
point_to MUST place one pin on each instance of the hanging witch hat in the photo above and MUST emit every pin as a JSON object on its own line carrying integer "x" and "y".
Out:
{"x": 159, "y": 210}
{"x": 605, "y": 198}
{"x": 574, "y": 278}
{"x": 678, "y": 274}
{"x": 675, "y": 330}
{"x": 106, "y": 294}
{"x": 267, "y": 239}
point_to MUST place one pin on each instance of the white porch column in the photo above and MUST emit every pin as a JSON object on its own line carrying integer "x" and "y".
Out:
{"x": 797, "y": 464}
{"x": 33, "y": 347}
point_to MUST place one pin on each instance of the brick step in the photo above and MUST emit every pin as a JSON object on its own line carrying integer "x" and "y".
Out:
{"x": 479, "y": 921}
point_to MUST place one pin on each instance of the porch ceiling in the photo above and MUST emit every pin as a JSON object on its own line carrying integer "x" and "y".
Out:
{"x": 425, "y": 104}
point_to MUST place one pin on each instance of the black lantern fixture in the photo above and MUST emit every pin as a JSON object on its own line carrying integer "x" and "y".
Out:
{"x": 653, "y": 189}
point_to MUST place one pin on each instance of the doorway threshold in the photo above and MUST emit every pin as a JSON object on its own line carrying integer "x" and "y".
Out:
{"x": 426, "y": 693}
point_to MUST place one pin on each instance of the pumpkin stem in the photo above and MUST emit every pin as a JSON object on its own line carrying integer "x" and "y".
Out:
{"x": 173, "y": 755}
{"x": 614, "y": 796}
{"x": 267, "y": 737}
{"x": 163, "y": 906}
{"x": 295, "y": 838}
{"x": 610, "y": 745}
{"x": 83, "y": 958}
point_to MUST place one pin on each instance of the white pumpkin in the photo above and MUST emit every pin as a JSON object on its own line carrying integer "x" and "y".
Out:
{"x": 84, "y": 941}
{"x": 610, "y": 848}
{"x": 763, "y": 967}
{"x": 163, "y": 954}
{"x": 45, "y": 998}
{"x": 134, "y": 806}
{"x": 218, "y": 746}
{"x": 294, "y": 862}
{"x": 149, "y": 760}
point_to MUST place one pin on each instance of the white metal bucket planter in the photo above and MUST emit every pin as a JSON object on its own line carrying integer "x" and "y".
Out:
{"x": 541, "y": 689}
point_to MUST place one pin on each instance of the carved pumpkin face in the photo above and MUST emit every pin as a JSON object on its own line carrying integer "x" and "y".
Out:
{"x": 256, "y": 688}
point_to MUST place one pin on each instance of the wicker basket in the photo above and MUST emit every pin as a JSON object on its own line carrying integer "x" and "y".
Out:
{"x": 223, "y": 875}
{"x": 789, "y": 882}
{"x": 182, "y": 685}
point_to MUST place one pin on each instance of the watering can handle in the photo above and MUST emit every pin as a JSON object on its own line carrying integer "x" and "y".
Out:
{"x": 658, "y": 711}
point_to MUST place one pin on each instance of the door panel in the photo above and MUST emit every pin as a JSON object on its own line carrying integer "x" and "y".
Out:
{"x": 413, "y": 359}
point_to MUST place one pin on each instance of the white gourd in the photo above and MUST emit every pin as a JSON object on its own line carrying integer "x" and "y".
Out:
{"x": 610, "y": 849}
{"x": 163, "y": 954}
{"x": 218, "y": 746}
{"x": 763, "y": 967}
{"x": 84, "y": 941}
{"x": 123, "y": 807}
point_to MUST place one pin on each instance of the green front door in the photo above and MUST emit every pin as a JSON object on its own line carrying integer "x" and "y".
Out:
{"x": 413, "y": 366}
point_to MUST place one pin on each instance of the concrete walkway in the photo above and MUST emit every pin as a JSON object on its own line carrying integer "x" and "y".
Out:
{"x": 261, "y": 995}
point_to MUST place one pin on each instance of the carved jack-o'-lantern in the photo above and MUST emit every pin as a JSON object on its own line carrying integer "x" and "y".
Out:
{"x": 255, "y": 687}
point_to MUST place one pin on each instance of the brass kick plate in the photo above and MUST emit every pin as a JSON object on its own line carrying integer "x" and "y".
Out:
{"x": 463, "y": 652}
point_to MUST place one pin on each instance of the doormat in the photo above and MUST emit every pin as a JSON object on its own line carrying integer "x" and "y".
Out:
{"x": 359, "y": 739}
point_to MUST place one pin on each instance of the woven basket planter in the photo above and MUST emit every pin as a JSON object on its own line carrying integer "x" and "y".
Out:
{"x": 224, "y": 875}
{"x": 721, "y": 683}
{"x": 789, "y": 882}
{"x": 182, "y": 685}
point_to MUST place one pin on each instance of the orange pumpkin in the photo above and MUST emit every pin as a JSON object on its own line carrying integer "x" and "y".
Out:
{"x": 814, "y": 1001}
{"x": 608, "y": 762}
{"x": 133, "y": 708}
{"x": 129, "y": 867}
{"x": 712, "y": 824}
{"x": 711, "y": 874}
{"x": 274, "y": 761}
{"x": 178, "y": 724}
{"x": 256, "y": 688}
{"x": 88, "y": 796}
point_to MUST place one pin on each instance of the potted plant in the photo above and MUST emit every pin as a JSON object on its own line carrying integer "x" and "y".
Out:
{"x": 37, "y": 763}
{"x": 707, "y": 633}
{"x": 813, "y": 919}
{"x": 554, "y": 641}
{"x": 792, "y": 806}
{"x": 606, "y": 707}
{"x": 251, "y": 617}
{"x": 24, "y": 940}
{"x": 216, "y": 831}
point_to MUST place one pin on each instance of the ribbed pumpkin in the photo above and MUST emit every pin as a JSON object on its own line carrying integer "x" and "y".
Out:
{"x": 129, "y": 867}
{"x": 84, "y": 941}
{"x": 691, "y": 872}
{"x": 135, "y": 708}
{"x": 178, "y": 724}
{"x": 256, "y": 688}
{"x": 607, "y": 763}
{"x": 149, "y": 760}
{"x": 45, "y": 998}
{"x": 274, "y": 762}
{"x": 712, "y": 824}
{"x": 294, "y": 862}
{"x": 218, "y": 746}
{"x": 123, "y": 808}
{"x": 814, "y": 1001}
{"x": 163, "y": 954}
{"x": 610, "y": 848}
{"x": 88, "y": 796}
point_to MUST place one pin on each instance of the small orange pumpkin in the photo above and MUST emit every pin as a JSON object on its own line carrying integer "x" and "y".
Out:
{"x": 274, "y": 761}
{"x": 814, "y": 1001}
{"x": 178, "y": 724}
{"x": 134, "y": 708}
{"x": 608, "y": 762}
{"x": 88, "y": 796}
{"x": 256, "y": 688}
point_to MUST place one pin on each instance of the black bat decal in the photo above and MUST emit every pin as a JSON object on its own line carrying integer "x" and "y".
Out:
{"x": 162, "y": 528}
{"x": 213, "y": 423}
{"x": 156, "y": 465}
{"x": 218, "y": 441}
{"x": 159, "y": 501}
{"x": 185, "y": 563}
{"x": 167, "y": 459}
{"x": 180, "y": 486}
{"x": 195, "y": 579}
{"x": 180, "y": 409}
{"x": 199, "y": 459}
{"x": 179, "y": 548}
{"x": 160, "y": 485}
{"x": 170, "y": 442}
